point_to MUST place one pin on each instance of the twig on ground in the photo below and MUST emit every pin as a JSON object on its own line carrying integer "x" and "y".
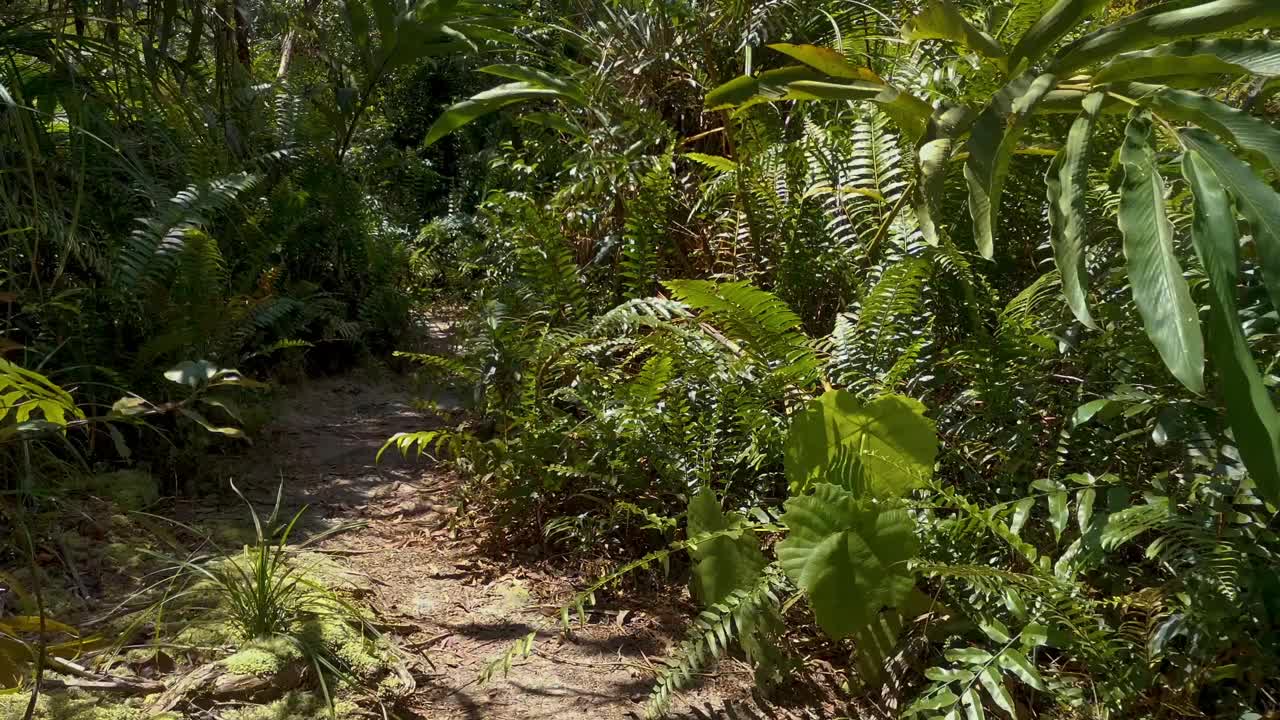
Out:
{"x": 88, "y": 680}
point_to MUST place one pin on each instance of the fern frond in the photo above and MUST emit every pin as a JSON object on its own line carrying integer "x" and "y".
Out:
{"x": 150, "y": 253}
{"x": 714, "y": 629}
{"x": 644, "y": 234}
{"x": 766, "y": 327}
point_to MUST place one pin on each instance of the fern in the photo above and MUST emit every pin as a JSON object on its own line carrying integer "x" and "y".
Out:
{"x": 645, "y": 233}
{"x": 151, "y": 252}
{"x": 767, "y": 328}
{"x": 742, "y": 616}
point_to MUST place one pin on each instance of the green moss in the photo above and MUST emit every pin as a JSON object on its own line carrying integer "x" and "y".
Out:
{"x": 363, "y": 655}
{"x": 210, "y": 634}
{"x": 263, "y": 657}
{"x": 294, "y": 706}
{"x": 75, "y": 706}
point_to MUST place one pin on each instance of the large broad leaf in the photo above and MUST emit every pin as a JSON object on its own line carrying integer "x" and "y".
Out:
{"x": 826, "y": 60}
{"x": 1058, "y": 21}
{"x": 1259, "y": 139}
{"x": 1227, "y": 56}
{"x": 886, "y": 447}
{"x": 1159, "y": 290}
{"x": 487, "y": 102}
{"x": 1252, "y": 416}
{"x": 723, "y": 564}
{"x": 1257, "y": 202}
{"x": 940, "y": 20}
{"x": 538, "y": 78}
{"x": 767, "y": 86}
{"x": 799, "y": 82}
{"x": 848, "y": 557}
{"x": 994, "y": 137}
{"x": 1159, "y": 25}
{"x": 932, "y": 155}
{"x": 1067, "y": 183}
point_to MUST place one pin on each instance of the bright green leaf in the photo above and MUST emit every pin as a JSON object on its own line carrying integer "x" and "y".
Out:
{"x": 886, "y": 446}
{"x": 1255, "y": 200}
{"x": 1017, "y": 663}
{"x": 1159, "y": 25}
{"x": 826, "y": 60}
{"x": 1259, "y": 139}
{"x": 1084, "y": 508}
{"x": 1067, "y": 184}
{"x": 848, "y": 556}
{"x": 715, "y": 162}
{"x": 722, "y": 564}
{"x": 992, "y": 141}
{"x": 1159, "y": 290}
{"x": 488, "y": 102}
{"x": 973, "y": 656}
{"x": 1195, "y": 57}
{"x": 972, "y": 703}
{"x": 1058, "y": 513}
{"x": 1064, "y": 16}
{"x": 994, "y": 629}
{"x": 994, "y": 684}
{"x": 1253, "y": 417}
{"x": 940, "y": 20}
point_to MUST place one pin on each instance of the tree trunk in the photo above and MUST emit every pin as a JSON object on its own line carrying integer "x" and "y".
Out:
{"x": 242, "y": 34}
{"x": 290, "y": 45}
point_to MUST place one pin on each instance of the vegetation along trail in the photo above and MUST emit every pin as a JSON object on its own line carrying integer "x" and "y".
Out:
{"x": 454, "y": 603}
{"x": 467, "y": 359}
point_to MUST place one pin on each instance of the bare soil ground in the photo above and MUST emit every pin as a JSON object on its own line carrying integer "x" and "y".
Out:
{"x": 444, "y": 594}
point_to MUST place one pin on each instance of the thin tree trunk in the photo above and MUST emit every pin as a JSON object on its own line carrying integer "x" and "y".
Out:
{"x": 111, "y": 21}
{"x": 242, "y": 34}
{"x": 290, "y": 44}
{"x": 193, "y": 39}
{"x": 168, "y": 11}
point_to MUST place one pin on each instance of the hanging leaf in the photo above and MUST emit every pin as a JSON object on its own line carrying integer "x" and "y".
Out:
{"x": 826, "y": 60}
{"x": 994, "y": 684}
{"x": 1225, "y": 56}
{"x": 1084, "y": 508}
{"x": 1159, "y": 290}
{"x": 940, "y": 20}
{"x": 932, "y": 156}
{"x": 538, "y": 78}
{"x": 1256, "y": 201}
{"x": 972, "y": 703}
{"x": 1259, "y": 139}
{"x": 798, "y": 82}
{"x": 1016, "y": 662}
{"x": 489, "y": 101}
{"x": 1250, "y": 412}
{"x": 886, "y": 447}
{"x": 847, "y": 556}
{"x": 1067, "y": 184}
{"x": 1058, "y": 513}
{"x": 1058, "y": 21}
{"x": 994, "y": 137}
{"x": 1160, "y": 25}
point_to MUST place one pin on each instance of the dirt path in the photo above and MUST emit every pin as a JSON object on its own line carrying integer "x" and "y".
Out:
{"x": 440, "y": 594}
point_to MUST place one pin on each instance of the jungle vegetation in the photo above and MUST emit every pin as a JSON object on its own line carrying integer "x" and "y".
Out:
{"x": 933, "y": 341}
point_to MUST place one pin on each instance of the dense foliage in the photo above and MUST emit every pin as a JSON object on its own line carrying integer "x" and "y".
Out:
{"x": 932, "y": 341}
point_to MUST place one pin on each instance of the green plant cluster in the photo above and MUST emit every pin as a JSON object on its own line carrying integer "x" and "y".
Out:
{"x": 892, "y": 320}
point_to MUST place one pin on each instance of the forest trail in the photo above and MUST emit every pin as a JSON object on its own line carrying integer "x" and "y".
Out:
{"x": 452, "y": 604}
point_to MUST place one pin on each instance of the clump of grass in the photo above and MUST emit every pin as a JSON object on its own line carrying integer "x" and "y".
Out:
{"x": 267, "y": 598}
